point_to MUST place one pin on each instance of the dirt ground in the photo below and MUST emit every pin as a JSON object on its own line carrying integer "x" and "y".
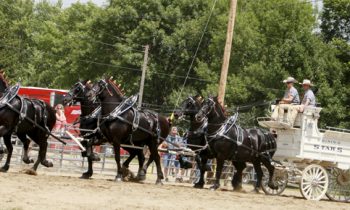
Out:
{"x": 50, "y": 190}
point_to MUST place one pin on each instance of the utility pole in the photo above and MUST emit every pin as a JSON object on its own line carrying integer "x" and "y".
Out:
{"x": 144, "y": 68}
{"x": 227, "y": 52}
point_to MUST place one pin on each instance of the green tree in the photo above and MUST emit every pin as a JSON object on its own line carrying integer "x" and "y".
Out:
{"x": 336, "y": 19}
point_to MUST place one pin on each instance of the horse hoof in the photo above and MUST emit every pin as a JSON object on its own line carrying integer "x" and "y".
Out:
{"x": 239, "y": 189}
{"x": 141, "y": 177}
{"x": 118, "y": 178}
{"x": 85, "y": 176}
{"x": 159, "y": 182}
{"x": 4, "y": 169}
{"x": 47, "y": 163}
{"x": 28, "y": 160}
{"x": 125, "y": 171}
{"x": 198, "y": 186}
{"x": 29, "y": 171}
{"x": 214, "y": 187}
{"x": 273, "y": 186}
{"x": 256, "y": 191}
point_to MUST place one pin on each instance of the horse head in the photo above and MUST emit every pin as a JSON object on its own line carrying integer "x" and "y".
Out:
{"x": 78, "y": 92}
{"x": 190, "y": 106}
{"x": 105, "y": 88}
{"x": 211, "y": 108}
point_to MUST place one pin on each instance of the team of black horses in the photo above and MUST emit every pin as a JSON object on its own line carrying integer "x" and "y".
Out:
{"x": 108, "y": 116}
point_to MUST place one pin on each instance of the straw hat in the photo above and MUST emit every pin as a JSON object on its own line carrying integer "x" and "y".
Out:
{"x": 306, "y": 82}
{"x": 290, "y": 80}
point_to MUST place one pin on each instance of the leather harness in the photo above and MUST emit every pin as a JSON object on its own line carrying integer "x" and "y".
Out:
{"x": 38, "y": 105}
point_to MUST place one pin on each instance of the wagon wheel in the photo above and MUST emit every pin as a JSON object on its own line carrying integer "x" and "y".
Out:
{"x": 280, "y": 178}
{"x": 339, "y": 185}
{"x": 314, "y": 182}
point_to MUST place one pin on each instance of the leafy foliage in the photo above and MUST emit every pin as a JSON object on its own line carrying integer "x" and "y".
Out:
{"x": 46, "y": 45}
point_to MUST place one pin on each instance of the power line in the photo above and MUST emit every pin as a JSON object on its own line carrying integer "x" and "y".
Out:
{"x": 104, "y": 43}
{"x": 195, "y": 54}
{"x": 82, "y": 60}
{"x": 99, "y": 63}
{"x": 177, "y": 76}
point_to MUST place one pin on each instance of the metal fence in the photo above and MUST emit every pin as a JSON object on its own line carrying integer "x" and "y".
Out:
{"x": 68, "y": 159}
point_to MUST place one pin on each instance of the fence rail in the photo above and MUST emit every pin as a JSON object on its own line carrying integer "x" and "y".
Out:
{"x": 68, "y": 159}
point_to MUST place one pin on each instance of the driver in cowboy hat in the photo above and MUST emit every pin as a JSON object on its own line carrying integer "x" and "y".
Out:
{"x": 291, "y": 95}
{"x": 309, "y": 96}
{"x": 290, "y": 102}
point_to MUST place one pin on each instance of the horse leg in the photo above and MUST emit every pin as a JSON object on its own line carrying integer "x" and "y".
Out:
{"x": 153, "y": 146}
{"x": 141, "y": 174}
{"x": 26, "y": 143}
{"x": 9, "y": 147}
{"x": 202, "y": 165}
{"x": 116, "y": 147}
{"x": 42, "y": 156}
{"x": 259, "y": 175}
{"x": 271, "y": 169}
{"x": 125, "y": 168}
{"x": 220, "y": 164}
{"x": 237, "y": 177}
{"x": 145, "y": 167}
{"x": 89, "y": 172}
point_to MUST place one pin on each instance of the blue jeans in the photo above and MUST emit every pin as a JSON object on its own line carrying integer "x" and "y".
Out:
{"x": 169, "y": 160}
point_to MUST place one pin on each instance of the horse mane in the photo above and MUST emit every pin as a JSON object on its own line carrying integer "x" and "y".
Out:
{"x": 3, "y": 79}
{"x": 116, "y": 87}
{"x": 222, "y": 109}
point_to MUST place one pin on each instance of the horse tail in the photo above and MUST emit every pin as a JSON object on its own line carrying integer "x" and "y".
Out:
{"x": 164, "y": 127}
{"x": 50, "y": 116}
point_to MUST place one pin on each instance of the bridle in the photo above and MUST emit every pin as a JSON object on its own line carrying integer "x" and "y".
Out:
{"x": 206, "y": 109}
{"x": 101, "y": 86}
{"x": 191, "y": 102}
{"x": 74, "y": 93}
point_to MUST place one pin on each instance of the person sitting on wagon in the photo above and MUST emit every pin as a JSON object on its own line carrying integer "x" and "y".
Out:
{"x": 309, "y": 96}
{"x": 289, "y": 102}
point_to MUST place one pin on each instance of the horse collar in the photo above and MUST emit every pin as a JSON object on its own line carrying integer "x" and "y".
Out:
{"x": 9, "y": 95}
{"x": 124, "y": 106}
{"x": 94, "y": 114}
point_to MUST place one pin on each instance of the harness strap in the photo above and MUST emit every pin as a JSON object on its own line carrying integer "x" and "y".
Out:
{"x": 136, "y": 121}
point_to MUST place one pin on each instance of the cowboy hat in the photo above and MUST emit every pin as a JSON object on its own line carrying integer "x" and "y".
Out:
{"x": 290, "y": 80}
{"x": 306, "y": 82}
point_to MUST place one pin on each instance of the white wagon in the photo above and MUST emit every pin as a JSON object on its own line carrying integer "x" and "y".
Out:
{"x": 319, "y": 158}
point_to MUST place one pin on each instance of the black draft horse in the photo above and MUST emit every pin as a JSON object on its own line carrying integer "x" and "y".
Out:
{"x": 79, "y": 93}
{"x": 11, "y": 122}
{"x": 238, "y": 145}
{"x": 152, "y": 128}
{"x": 196, "y": 135}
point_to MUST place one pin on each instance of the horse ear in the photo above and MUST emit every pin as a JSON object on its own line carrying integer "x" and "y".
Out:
{"x": 198, "y": 97}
